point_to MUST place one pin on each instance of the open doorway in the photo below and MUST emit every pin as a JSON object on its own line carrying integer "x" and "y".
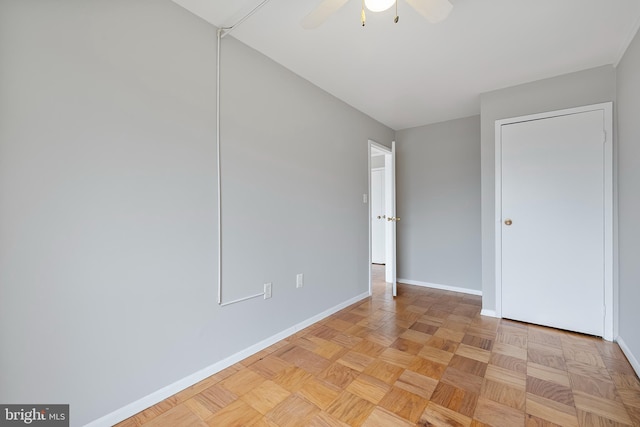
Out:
{"x": 382, "y": 220}
{"x": 378, "y": 212}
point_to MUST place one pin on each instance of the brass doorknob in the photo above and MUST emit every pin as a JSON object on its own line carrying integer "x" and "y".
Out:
{"x": 508, "y": 221}
{"x": 393, "y": 218}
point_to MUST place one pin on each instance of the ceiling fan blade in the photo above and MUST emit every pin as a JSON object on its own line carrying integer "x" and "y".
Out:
{"x": 433, "y": 11}
{"x": 321, "y": 13}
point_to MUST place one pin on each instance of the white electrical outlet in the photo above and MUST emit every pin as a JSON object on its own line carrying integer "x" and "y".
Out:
{"x": 299, "y": 280}
{"x": 267, "y": 290}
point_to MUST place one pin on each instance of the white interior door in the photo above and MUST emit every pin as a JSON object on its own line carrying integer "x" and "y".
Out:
{"x": 390, "y": 169}
{"x": 378, "y": 216}
{"x": 553, "y": 221}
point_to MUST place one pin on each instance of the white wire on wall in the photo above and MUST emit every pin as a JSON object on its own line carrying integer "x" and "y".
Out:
{"x": 221, "y": 33}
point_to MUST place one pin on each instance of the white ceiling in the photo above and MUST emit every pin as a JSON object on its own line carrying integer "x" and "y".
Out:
{"x": 415, "y": 73}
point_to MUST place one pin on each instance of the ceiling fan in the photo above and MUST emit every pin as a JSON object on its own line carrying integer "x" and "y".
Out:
{"x": 433, "y": 11}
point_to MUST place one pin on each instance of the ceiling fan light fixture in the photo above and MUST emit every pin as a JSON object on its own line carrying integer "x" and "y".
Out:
{"x": 378, "y": 5}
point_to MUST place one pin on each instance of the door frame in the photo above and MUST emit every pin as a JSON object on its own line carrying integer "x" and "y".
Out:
{"x": 373, "y": 145}
{"x": 610, "y": 290}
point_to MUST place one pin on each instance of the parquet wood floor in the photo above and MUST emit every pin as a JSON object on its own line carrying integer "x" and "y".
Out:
{"x": 425, "y": 358}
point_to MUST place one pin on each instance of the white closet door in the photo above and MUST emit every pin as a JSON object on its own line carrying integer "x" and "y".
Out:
{"x": 553, "y": 221}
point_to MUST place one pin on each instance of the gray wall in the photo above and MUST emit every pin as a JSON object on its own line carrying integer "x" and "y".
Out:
{"x": 628, "y": 80}
{"x": 570, "y": 90}
{"x": 108, "y": 200}
{"x": 438, "y": 201}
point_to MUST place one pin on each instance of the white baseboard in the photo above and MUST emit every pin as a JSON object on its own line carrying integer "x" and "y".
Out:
{"x": 159, "y": 395}
{"x": 489, "y": 313}
{"x": 443, "y": 287}
{"x": 635, "y": 364}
